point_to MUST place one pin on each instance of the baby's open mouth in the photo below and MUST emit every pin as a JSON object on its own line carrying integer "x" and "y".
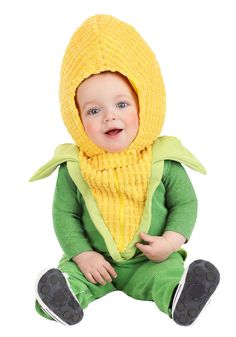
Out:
{"x": 113, "y": 132}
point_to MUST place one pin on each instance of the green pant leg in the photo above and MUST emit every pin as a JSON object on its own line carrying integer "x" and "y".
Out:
{"x": 151, "y": 281}
{"x": 85, "y": 291}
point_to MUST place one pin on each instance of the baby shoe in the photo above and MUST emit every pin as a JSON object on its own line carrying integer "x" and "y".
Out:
{"x": 194, "y": 291}
{"x": 55, "y": 297}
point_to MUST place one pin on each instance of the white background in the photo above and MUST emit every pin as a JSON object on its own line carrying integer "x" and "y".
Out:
{"x": 194, "y": 42}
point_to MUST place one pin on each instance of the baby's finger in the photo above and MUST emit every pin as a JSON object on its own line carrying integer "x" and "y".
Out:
{"x": 90, "y": 278}
{"x": 147, "y": 237}
{"x": 110, "y": 269}
{"x": 146, "y": 249}
{"x": 105, "y": 275}
{"x": 97, "y": 276}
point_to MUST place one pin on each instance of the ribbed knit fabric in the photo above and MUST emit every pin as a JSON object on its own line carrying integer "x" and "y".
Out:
{"x": 105, "y": 43}
{"x": 120, "y": 188}
{"x": 118, "y": 180}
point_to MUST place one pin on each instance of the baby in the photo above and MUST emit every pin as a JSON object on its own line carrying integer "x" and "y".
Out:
{"x": 123, "y": 204}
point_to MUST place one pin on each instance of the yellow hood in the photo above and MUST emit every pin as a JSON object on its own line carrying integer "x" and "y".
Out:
{"x": 104, "y": 43}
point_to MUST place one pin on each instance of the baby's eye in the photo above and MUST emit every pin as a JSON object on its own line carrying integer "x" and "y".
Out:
{"x": 122, "y": 105}
{"x": 93, "y": 111}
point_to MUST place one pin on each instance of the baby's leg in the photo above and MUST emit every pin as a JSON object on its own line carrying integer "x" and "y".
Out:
{"x": 153, "y": 281}
{"x": 84, "y": 291}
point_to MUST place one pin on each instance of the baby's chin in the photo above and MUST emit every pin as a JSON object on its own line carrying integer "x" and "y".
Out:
{"x": 120, "y": 145}
{"x": 115, "y": 150}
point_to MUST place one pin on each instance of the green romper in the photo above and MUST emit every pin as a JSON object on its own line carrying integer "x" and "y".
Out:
{"x": 171, "y": 205}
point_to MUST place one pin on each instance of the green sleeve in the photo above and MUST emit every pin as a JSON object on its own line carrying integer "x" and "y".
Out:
{"x": 181, "y": 200}
{"x": 67, "y": 213}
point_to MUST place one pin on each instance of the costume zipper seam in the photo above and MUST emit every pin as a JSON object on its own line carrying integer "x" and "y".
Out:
{"x": 121, "y": 213}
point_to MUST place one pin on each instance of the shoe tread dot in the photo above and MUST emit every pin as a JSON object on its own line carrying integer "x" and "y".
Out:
{"x": 45, "y": 289}
{"x": 54, "y": 279}
{"x": 192, "y": 313}
{"x": 211, "y": 276}
{"x": 66, "y": 314}
{"x": 180, "y": 306}
{"x": 198, "y": 271}
{"x": 76, "y": 317}
{"x": 182, "y": 319}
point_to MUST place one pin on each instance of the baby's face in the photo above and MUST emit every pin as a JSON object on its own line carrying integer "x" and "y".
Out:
{"x": 108, "y": 110}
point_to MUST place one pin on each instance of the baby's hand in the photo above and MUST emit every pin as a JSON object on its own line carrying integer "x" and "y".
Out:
{"x": 94, "y": 267}
{"x": 158, "y": 248}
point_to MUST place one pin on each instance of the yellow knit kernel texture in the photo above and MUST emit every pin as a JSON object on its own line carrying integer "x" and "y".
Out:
{"x": 120, "y": 193}
{"x": 104, "y": 43}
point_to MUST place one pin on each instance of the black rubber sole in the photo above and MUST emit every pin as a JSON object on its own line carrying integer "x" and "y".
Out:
{"x": 55, "y": 294}
{"x": 200, "y": 283}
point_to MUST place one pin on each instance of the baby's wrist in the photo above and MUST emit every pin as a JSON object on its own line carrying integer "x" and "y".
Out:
{"x": 169, "y": 244}
{"x": 175, "y": 239}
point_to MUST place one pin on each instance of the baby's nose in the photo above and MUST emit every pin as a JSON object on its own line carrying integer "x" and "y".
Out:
{"x": 110, "y": 119}
{"x": 109, "y": 116}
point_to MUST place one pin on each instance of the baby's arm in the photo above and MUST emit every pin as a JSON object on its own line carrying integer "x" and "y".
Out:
{"x": 69, "y": 230}
{"x": 181, "y": 202}
{"x": 158, "y": 248}
{"x": 175, "y": 240}
{"x": 180, "y": 199}
{"x": 67, "y": 213}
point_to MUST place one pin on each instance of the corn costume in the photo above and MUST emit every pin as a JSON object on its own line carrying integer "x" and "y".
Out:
{"x": 104, "y": 200}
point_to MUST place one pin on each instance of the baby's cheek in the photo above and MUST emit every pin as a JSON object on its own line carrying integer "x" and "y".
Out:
{"x": 134, "y": 122}
{"x": 91, "y": 130}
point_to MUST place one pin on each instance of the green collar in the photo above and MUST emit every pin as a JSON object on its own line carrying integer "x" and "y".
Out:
{"x": 167, "y": 147}
{"x": 164, "y": 148}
